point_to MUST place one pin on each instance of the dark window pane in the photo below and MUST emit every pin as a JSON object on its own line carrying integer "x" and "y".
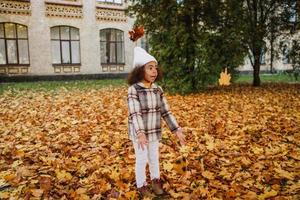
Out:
{"x": 55, "y": 33}
{"x": 23, "y": 52}
{"x": 75, "y": 52}
{"x": 1, "y": 30}
{"x": 22, "y": 31}
{"x": 112, "y": 53}
{"x": 74, "y": 34}
{"x": 103, "y": 35}
{"x": 104, "y": 58}
{"x": 65, "y": 33}
{"x": 66, "y": 52}
{"x": 10, "y": 30}
{"x": 55, "y": 52}
{"x": 120, "y": 36}
{"x": 2, "y": 52}
{"x": 120, "y": 52}
{"x": 112, "y": 35}
{"x": 12, "y": 51}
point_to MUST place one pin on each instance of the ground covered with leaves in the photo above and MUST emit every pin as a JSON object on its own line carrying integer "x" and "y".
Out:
{"x": 242, "y": 143}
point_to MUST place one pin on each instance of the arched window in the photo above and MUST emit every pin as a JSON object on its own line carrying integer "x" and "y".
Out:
{"x": 112, "y": 46}
{"x": 65, "y": 44}
{"x": 13, "y": 44}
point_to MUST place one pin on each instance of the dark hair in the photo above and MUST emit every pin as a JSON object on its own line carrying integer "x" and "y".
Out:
{"x": 138, "y": 73}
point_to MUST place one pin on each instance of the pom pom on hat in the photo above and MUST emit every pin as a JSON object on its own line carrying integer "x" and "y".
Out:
{"x": 141, "y": 57}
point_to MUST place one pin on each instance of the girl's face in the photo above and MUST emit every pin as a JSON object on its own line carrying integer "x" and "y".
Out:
{"x": 150, "y": 72}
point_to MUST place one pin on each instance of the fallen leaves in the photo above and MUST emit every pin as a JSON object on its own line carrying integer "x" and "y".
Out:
{"x": 242, "y": 143}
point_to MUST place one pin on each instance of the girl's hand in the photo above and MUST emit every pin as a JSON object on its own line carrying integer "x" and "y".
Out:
{"x": 180, "y": 136}
{"x": 142, "y": 141}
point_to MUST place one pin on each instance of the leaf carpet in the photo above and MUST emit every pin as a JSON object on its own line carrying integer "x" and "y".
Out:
{"x": 242, "y": 143}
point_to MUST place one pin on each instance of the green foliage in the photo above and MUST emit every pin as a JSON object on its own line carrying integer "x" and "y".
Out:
{"x": 294, "y": 55}
{"x": 56, "y": 85}
{"x": 190, "y": 41}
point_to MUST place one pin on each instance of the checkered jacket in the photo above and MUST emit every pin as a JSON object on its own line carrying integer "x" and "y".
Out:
{"x": 146, "y": 107}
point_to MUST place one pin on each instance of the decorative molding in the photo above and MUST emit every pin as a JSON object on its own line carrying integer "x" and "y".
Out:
{"x": 66, "y": 69}
{"x": 110, "y": 14}
{"x": 63, "y": 10}
{"x": 65, "y": 2}
{"x": 15, "y": 7}
{"x": 113, "y": 68}
{"x": 14, "y": 70}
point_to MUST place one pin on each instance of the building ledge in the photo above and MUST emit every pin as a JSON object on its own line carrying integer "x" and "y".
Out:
{"x": 64, "y": 3}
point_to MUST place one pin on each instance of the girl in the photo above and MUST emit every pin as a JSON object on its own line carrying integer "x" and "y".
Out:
{"x": 146, "y": 105}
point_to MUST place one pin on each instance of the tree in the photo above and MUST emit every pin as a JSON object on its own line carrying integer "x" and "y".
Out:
{"x": 186, "y": 40}
{"x": 294, "y": 55}
{"x": 263, "y": 20}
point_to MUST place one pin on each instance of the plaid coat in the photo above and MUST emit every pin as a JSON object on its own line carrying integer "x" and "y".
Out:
{"x": 146, "y": 107}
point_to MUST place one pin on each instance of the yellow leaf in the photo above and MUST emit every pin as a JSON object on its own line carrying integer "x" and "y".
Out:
{"x": 130, "y": 195}
{"x": 63, "y": 175}
{"x": 266, "y": 195}
{"x": 4, "y": 195}
{"x": 284, "y": 173}
{"x": 209, "y": 175}
{"x": 81, "y": 190}
{"x": 37, "y": 192}
{"x": 174, "y": 194}
{"x": 224, "y": 78}
{"x": 168, "y": 166}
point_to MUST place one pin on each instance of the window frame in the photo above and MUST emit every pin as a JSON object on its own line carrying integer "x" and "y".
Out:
{"x": 109, "y": 2}
{"x": 16, "y": 39}
{"x": 108, "y": 44}
{"x": 70, "y": 45}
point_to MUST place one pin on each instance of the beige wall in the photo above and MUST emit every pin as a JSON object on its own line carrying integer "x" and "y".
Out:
{"x": 278, "y": 64}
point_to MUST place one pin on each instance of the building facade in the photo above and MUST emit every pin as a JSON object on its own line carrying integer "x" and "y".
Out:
{"x": 55, "y": 37}
{"x": 71, "y": 37}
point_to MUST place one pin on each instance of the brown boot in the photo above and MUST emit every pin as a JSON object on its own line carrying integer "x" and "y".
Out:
{"x": 157, "y": 187}
{"x": 145, "y": 192}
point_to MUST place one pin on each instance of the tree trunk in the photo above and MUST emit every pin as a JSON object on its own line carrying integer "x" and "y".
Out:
{"x": 272, "y": 52}
{"x": 256, "y": 69}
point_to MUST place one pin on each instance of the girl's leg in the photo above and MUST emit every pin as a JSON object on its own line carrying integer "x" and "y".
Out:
{"x": 153, "y": 155}
{"x": 141, "y": 159}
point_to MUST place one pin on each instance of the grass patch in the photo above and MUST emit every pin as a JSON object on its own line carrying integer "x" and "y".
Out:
{"x": 96, "y": 84}
{"x": 55, "y": 85}
{"x": 268, "y": 78}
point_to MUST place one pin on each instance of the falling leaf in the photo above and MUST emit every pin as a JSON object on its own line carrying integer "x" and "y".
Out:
{"x": 224, "y": 78}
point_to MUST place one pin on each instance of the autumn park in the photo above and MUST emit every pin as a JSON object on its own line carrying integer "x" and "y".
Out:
{"x": 228, "y": 71}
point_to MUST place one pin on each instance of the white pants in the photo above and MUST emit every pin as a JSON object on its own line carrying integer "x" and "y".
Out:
{"x": 150, "y": 155}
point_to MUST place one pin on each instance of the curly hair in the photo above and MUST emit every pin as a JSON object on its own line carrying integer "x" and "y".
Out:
{"x": 138, "y": 74}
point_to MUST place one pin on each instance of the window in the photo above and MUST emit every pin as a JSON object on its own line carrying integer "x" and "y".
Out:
{"x": 293, "y": 13}
{"x": 14, "y": 48}
{"x": 144, "y": 43}
{"x": 111, "y": 1}
{"x": 112, "y": 46}
{"x": 262, "y": 58}
{"x": 65, "y": 45}
{"x": 285, "y": 54}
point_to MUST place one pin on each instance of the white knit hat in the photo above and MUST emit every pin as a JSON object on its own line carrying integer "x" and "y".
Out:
{"x": 141, "y": 57}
